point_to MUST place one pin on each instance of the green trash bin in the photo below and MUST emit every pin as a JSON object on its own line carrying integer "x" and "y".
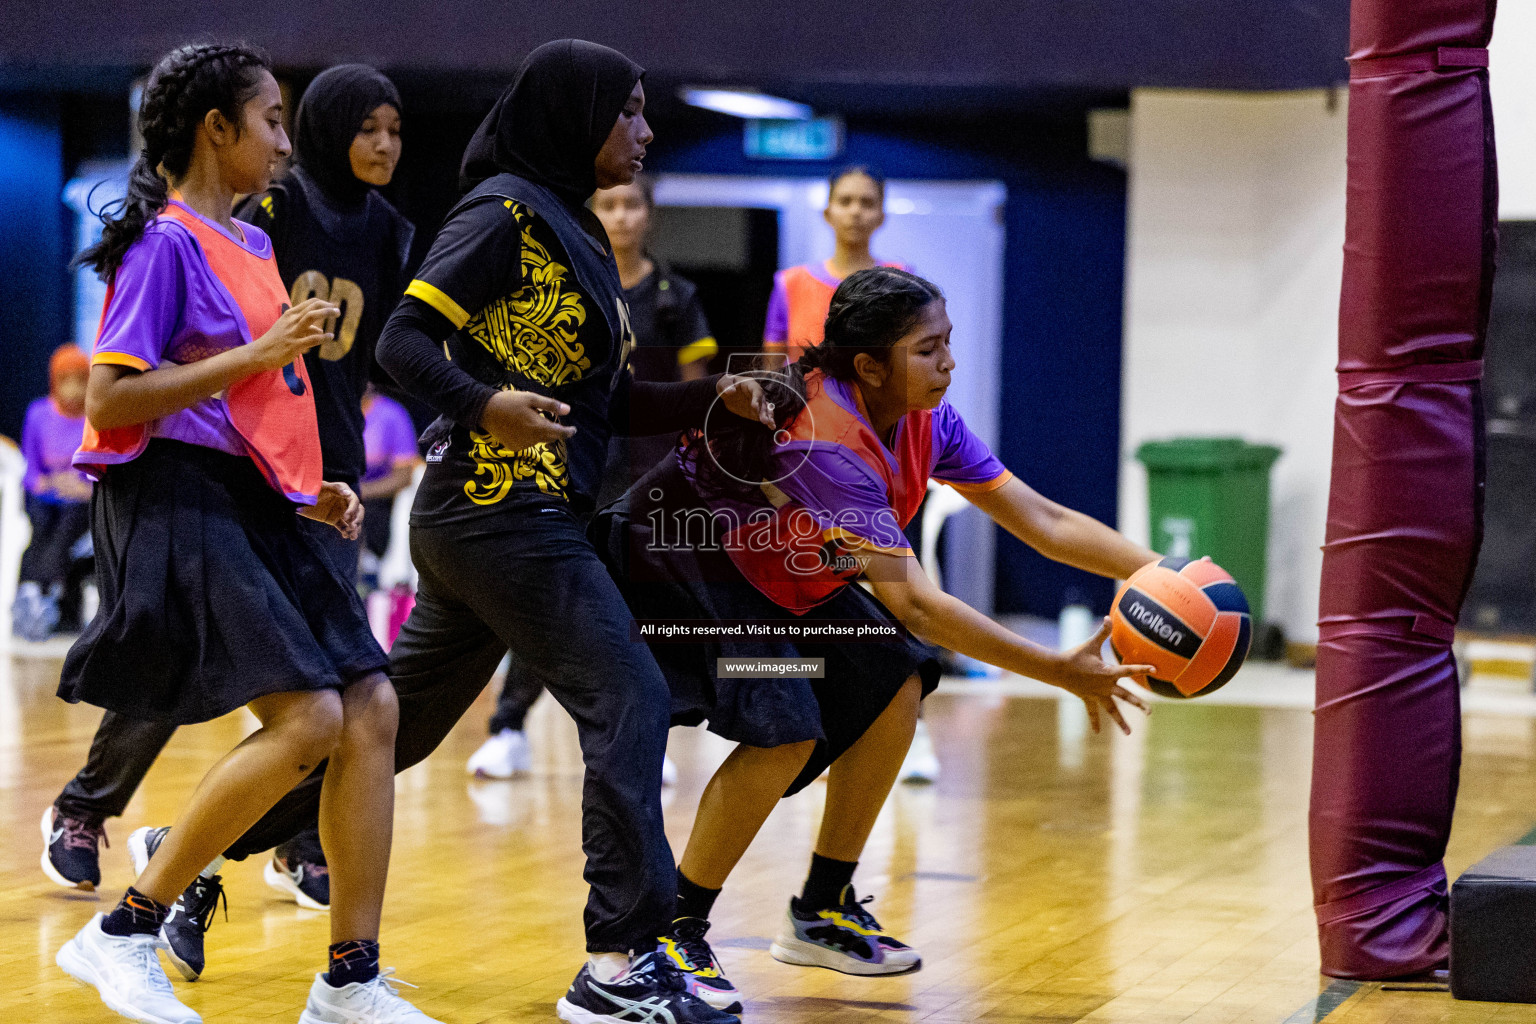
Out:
{"x": 1210, "y": 496}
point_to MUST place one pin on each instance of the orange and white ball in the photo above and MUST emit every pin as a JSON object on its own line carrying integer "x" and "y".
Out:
{"x": 1189, "y": 620}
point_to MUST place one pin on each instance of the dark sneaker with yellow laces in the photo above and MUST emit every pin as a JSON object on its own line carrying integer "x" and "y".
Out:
{"x": 70, "y": 854}
{"x": 191, "y": 915}
{"x": 844, "y": 938}
{"x": 651, "y": 991}
{"x": 685, "y": 945}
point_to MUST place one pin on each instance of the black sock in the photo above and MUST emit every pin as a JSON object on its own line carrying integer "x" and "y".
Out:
{"x": 136, "y": 914}
{"x": 356, "y": 960}
{"x": 693, "y": 900}
{"x": 825, "y": 884}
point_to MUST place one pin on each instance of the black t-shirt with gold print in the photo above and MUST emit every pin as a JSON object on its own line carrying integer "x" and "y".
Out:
{"x": 500, "y": 274}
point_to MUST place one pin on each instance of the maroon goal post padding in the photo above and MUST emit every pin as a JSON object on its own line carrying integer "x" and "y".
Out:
{"x": 1405, "y": 505}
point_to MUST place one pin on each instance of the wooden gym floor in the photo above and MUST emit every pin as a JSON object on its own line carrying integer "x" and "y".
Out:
{"x": 1049, "y": 877}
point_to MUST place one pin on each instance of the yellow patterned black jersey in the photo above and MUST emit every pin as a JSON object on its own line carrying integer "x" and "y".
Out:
{"x": 502, "y": 276}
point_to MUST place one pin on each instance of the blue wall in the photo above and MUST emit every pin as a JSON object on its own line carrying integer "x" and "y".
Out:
{"x": 34, "y": 247}
{"x": 1064, "y": 265}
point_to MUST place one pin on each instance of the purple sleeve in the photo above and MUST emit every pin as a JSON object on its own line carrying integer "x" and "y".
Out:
{"x": 399, "y": 433}
{"x": 963, "y": 460}
{"x": 32, "y": 447}
{"x": 777, "y": 327}
{"x": 148, "y": 294}
{"x": 846, "y": 498}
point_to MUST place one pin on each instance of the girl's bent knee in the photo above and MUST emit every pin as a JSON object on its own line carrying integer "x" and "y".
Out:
{"x": 313, "y": 727}
{"x": 372, "y": 711}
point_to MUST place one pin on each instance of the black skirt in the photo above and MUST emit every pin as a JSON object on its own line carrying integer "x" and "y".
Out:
{"x": 861, "y": 678}
{"x": 211, "y": 594}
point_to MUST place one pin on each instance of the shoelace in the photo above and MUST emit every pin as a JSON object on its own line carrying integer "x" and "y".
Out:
{"x": 146, "y": 962}
{"x": 688, "y": 939}
{"x": 696, "y": 953}
{"x": 80, "y": 836}
{"x": 207, "y": 894}
{"x": 667, "y": 976}
{"x": 381, "y": 990}
{"x": 856, "y": 911}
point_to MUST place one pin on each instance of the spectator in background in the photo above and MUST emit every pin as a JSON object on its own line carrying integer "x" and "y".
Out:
{"x": 58, "y": 500}
{"x": 389, "y": 441}
{"x": 797, "y": 308}
{"x": 673, "y": 341}
{"x": 797, "y": 312}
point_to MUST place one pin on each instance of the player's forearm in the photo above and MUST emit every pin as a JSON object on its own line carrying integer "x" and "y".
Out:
{"x": 118, "y": 396}
{"x": 1085, "y": 543}
{"x": 945, "y": 620}
{"x": 410, "y": 349}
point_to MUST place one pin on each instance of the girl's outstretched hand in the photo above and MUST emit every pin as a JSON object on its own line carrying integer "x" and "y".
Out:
{"x": 1086, "y": 674}
{"x": 338, "y": 506}
{"x": 744, "y": 397}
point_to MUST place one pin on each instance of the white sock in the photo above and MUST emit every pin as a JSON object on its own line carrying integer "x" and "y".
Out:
{"x": 607, "y": 966}
{"x": 213, "y": 869}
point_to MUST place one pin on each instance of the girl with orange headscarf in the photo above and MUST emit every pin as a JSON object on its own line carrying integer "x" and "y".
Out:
{"x": 58, "y": 500}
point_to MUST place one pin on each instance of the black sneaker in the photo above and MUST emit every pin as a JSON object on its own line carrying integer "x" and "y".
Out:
{"x": 298, "y": 871}
{"x": 191, "y": 915}
{"x": 844, "y": 938}
{"x": 651, "y": 991}
{"x": 685, "y": 945}
{"x": 70, "y": 855}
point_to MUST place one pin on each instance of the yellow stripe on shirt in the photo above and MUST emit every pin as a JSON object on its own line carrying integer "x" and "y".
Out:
{"x": 119, "y": 359}
{"x": 979, "y": 488}
{"x": 704, "y": 348}
{"x": 438, "y": 300}
{"x": 855, "y": 543}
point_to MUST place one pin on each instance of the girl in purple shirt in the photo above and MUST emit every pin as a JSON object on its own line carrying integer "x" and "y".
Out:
{"x": 201, "y": 433}
{"x": 752, "y": 527}
{"x": 58, "y": 497}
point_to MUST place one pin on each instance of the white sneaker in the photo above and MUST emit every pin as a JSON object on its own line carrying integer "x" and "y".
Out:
{"x": 668, "y": 772}
{"x": 126, "y": 971}
{"x": 921, "y": 764}
{"x": 367, "y": 1002}
{"x": 502, "y": 756}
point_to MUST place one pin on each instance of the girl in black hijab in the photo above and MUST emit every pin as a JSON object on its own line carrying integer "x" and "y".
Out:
{"x": 522, "y": 282}
{"x": 521, "y": 285}
{"x": 337, "y": 238}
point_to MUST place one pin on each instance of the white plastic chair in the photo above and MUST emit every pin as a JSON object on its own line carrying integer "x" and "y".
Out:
{"x": 15, "y": 530}
{"x": 943, "y": 502}
{"x": 396, "y": 566}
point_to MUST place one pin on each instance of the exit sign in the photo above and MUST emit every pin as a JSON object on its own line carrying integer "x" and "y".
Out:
{"x": 820, "y": 138}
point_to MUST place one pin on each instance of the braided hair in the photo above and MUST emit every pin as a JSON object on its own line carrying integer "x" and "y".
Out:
{"x": 187, "y": 83}
{"x": 870, "y": 312}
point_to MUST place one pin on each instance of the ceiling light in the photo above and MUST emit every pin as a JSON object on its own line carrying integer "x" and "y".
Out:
{"x": 745, "y": 103}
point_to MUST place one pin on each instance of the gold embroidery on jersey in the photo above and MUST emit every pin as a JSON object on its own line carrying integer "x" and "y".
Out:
{"x": 533, "y": 331}
{"x": 497, "y": 468}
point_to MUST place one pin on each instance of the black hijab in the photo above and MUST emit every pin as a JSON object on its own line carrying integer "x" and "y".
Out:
{"x": 330, "y": 115}
{"x": 551, "y": 122}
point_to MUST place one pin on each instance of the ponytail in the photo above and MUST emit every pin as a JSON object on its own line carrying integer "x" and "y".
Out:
{"x": 186, "y": 84}
{"x": 870, "y": 312}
